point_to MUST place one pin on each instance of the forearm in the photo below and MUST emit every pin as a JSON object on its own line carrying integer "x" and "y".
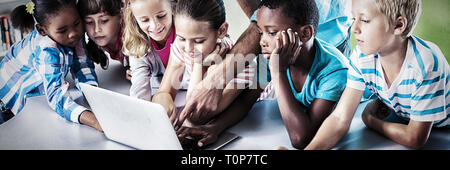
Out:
{"x": 237, "y": 110}
{"x": 246, "y": 49}
{"x": 249, "y": 6}
{"x": 297, "y": 122}
{"x": 400, "y": 133}
{"x": 329, "y": 134}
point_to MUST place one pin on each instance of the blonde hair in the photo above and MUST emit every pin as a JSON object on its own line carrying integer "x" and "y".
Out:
{"x": 135, "y": 41}
{"x": 410, "y": 9}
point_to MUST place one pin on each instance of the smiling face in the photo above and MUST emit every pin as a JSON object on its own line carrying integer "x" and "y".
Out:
{"x": 64, "y": 27}
{"x": 271, "y": 22}
{"x": 154, "y": 17}
{"x": 196, "y": 37}
{"x": 371, "y": 28}
{"x": 103, "y": 28}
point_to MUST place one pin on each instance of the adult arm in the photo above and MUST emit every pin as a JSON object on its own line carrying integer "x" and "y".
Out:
{"x": 208, "y": 133}
{"x": 249, "y": 6}
{"x": 206, "y": 99}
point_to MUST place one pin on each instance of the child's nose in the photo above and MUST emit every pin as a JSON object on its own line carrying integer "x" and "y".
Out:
{"x": 152, "y": 26}
{"x": 189, "y": 47}
{"x": 355, "y": 28}
{"x": 97, "y": 28}
{"x": 263, "y": 43}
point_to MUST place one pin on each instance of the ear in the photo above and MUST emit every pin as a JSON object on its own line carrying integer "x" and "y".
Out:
{"x": 400, "y": 25}
{"x": 223, "y": 30}
{"x": 41, "y": 29}
{"x": 306, "y": 33}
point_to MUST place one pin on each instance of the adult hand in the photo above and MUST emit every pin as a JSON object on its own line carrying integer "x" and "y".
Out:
{"x": 205, "y": 134}
{"x": 219, "y": 52}
{"x": 288, "y": 46}
{"x": 201, "y": 104}
{"x": 165, "y": 99}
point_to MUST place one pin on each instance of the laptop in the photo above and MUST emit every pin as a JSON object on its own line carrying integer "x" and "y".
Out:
{"x": 139, "y": 123}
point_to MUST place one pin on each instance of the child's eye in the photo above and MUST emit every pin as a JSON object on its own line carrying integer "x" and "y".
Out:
{"x": 89, "y": 23}
{"x": 161, "y": 16}
{"x": 365, "y": 21}
{"x": 273, "y": 33}
{"x": 62, "y": 31}
{"x": 77, "y": 23}
{"x": 105, "y": 21}
{"x": 199, "y": 41}
{"x": 181, "y": 39}
{"x": 143, "y": 20}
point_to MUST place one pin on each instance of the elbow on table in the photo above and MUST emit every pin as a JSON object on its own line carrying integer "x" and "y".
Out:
{"x": 416, "y": 141}
{"x": 300, "y": 141}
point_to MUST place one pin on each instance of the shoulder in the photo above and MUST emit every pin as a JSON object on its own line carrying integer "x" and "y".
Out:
{"x": 425, "y": 58}
{"x": 330, "y": 56}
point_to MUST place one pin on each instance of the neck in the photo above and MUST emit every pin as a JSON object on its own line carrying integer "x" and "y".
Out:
{"x": 394, "y": 56}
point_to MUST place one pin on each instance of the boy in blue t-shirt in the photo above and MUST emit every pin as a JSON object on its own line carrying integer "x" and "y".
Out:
{"x": 409, "y": 76}
{"x": 308, "y": 75}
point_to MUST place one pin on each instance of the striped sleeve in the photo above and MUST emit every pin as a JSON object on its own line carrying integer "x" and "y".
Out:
{"x": 354, "y": 75}
{"x": 428, "y": 100}
{"x": 55, "y": 86}
{"x": 83, "y": 68}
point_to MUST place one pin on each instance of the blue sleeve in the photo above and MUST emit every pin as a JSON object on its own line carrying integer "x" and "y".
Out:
{"x": 83, "y": 69}
{"x": 56, "y": 88}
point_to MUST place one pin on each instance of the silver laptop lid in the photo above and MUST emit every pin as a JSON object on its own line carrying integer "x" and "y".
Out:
{"x": 134, "y": 122}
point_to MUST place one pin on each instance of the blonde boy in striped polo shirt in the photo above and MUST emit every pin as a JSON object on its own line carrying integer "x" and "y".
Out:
{"x": 409, "y": 76}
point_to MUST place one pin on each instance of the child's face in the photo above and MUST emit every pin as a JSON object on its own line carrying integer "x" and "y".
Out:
{"x": 102, "y": 28}
{"x": 271, "y": 22}
{"x": 64, "y": 27}
{"x": 154, "y": 18}
{"x": 371, "y": 28}
{"x": 195, "y": 37}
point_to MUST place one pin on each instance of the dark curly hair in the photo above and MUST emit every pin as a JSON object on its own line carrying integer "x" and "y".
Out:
{"x": 304, "y": 12}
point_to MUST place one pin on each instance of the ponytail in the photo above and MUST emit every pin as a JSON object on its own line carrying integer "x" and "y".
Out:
{"x": 21, "y": 19}
{"x": 96, "y": 54}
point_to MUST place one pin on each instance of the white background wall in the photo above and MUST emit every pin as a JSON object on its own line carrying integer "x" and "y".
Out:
{"x": 236, "y": 19}
{"x": 6, "y": 6}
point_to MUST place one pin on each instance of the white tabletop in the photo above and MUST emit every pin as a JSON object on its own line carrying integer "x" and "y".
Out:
{"x": 39, "y": 127}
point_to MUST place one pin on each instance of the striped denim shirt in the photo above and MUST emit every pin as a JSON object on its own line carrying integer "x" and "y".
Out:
{"x": 37, "y": 65}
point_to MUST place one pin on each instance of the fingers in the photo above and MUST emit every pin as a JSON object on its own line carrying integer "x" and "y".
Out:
{"x": 297, "y": 48}
{"x": 206, "y": 140}
{"x": 196, "y": 133}
{"x": 187, "y": 111}
{"x": 173, "y": 116}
